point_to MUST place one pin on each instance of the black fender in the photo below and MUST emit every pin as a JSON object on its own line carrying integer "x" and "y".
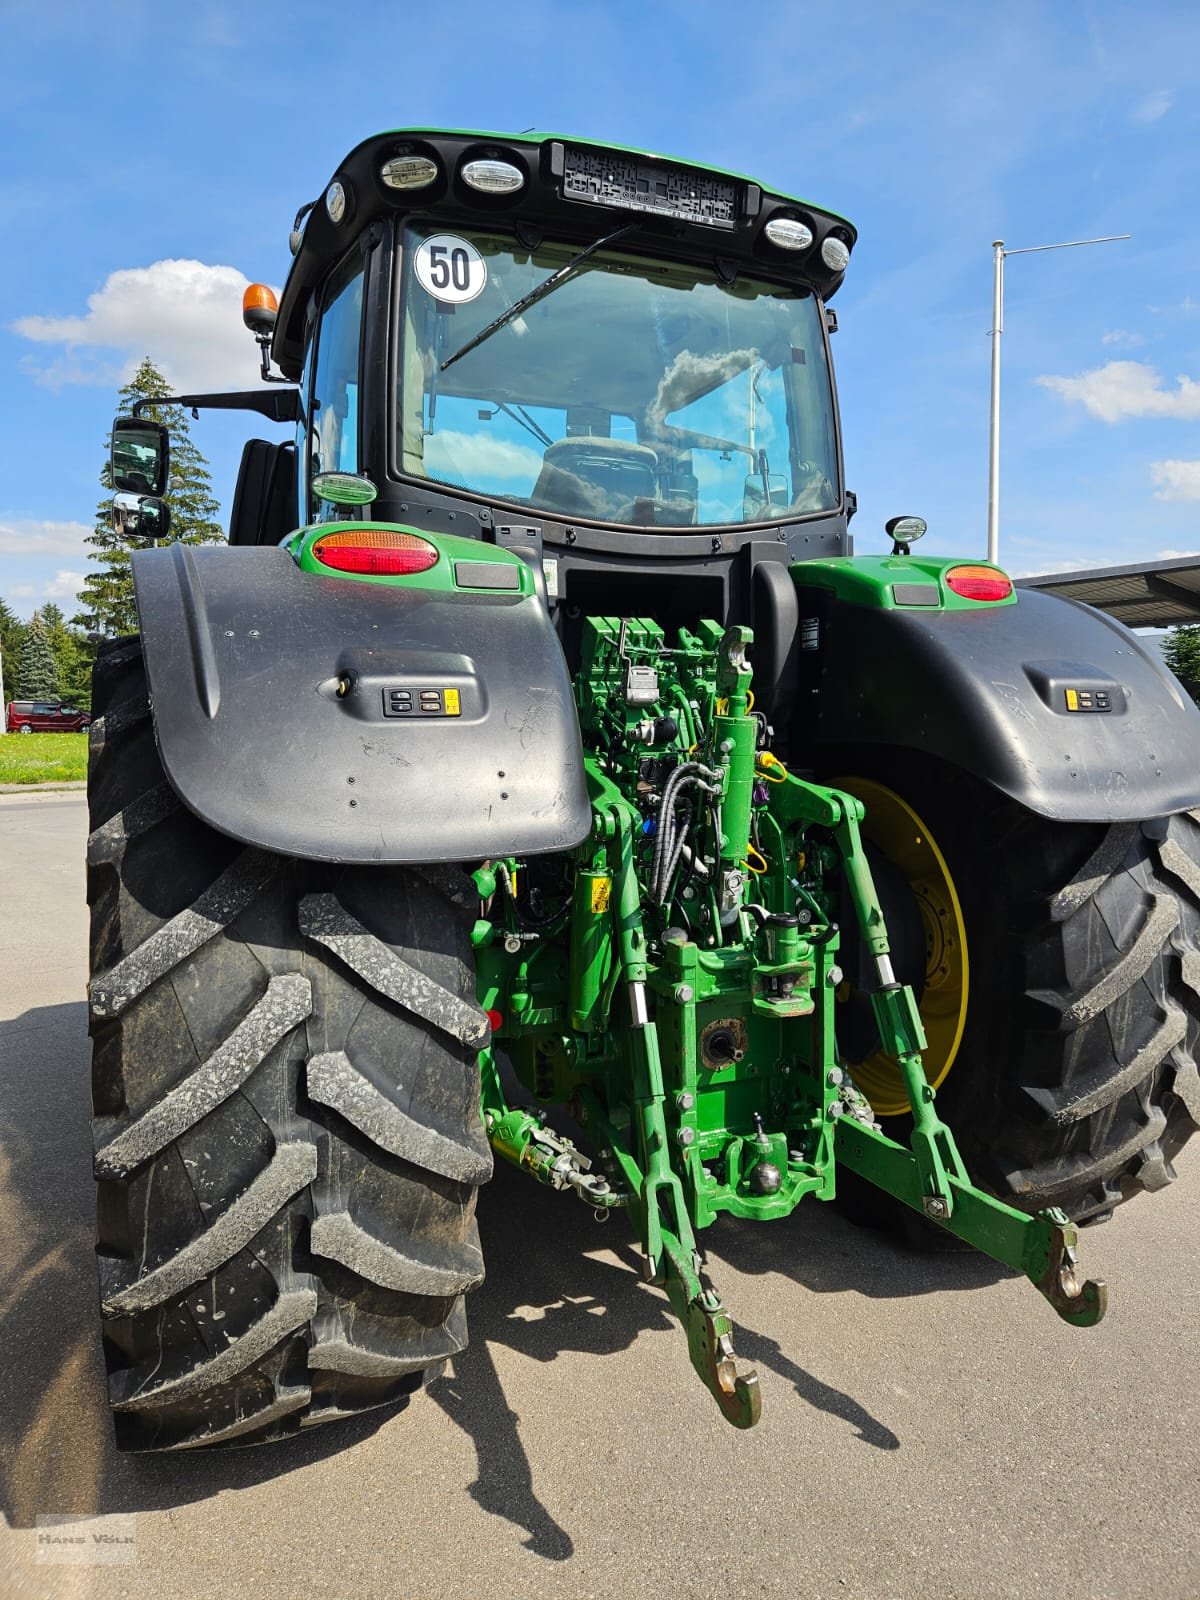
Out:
{"x": 270, "y": 693}
{"x": 986, "y": 690}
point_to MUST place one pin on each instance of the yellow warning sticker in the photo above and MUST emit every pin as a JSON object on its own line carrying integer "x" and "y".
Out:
{"x": 450, "y": 700}
{"x": 1072, "y": 700}
{"x": 601, "y": 893}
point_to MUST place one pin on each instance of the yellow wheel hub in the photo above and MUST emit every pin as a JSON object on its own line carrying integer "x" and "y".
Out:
{"x": 896, "y": 830}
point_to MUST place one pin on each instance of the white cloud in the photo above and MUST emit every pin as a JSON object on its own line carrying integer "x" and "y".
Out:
{"x": 1128, "y": 389}
{"x": 476, "y": 458}
{"x": 1156, "y": 104}
{"x": 26, "y": 536}
{"x": 185, "y": 315}
{"x": 1122, "y": 337}
{"x": 1173, "y": 555}
{"x": 1176, "y": 480}
{"x": 63, "y": 586}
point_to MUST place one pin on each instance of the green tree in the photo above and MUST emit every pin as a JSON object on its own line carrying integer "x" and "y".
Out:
{"x": 73, "y": 655}
{"x": 106, "y": 602}
{"x": 12, "y": 636}
{"x": 37, "y": 670}
{"x": 1181, "y": 652}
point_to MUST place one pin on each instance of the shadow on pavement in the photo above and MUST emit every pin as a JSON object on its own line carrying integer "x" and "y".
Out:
{"x": 544, "y": 1296}
{"x": 825, "y": 1252}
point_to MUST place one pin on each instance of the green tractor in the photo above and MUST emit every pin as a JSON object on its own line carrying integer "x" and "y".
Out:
{"x": 539, "y": 708}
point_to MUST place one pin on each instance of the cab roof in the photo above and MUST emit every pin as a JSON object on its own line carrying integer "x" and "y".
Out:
{"x": 579, "y": 189}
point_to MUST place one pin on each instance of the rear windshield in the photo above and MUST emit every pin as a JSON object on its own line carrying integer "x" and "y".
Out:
{"x": 636, "y": 392}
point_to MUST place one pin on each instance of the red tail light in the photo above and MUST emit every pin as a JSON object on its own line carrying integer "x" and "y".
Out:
{"x": 496, "y": 1020}
{"x": 377, "y": 551}
{"x": 979, "y": 583}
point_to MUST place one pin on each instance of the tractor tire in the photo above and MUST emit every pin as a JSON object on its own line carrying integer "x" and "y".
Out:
{"x": 287, "y": 1126}
{"x": 1074, "y": 1081}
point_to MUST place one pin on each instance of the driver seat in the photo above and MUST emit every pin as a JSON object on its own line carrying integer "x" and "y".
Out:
{"x": 594, "y": 476}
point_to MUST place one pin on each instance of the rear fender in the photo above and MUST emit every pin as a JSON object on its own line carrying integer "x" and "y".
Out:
{"x": 988, "y": 689}
{"x": 279, "y": 699}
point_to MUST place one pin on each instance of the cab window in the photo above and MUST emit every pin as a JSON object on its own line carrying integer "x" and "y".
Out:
{"x": 333, "y": 444}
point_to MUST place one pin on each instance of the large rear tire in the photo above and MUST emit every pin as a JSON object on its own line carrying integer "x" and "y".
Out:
{"x": 1074, "y": 1079}
{"x": 286, "y": 1094}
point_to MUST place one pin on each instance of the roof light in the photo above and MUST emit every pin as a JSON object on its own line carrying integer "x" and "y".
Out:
{"x": 260, "y": 308}
{"x": 409, "y": 172}
{"x": 979, "y": 583}
{"x": 493, "y": 177}
{"x": 337, "y": 202}
{"x": 377, "y": 552}
{"x": 788, "y": 233}
{"x": 835, "y": 253}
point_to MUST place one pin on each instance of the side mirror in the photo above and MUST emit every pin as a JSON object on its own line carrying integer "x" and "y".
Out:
{"x": 141, "y": 456}
{"x": 140, "y": 516}
{"x": 755, "y": 505}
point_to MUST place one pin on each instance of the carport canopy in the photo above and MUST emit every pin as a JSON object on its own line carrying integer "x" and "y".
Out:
{"x": 1152, "y": 594}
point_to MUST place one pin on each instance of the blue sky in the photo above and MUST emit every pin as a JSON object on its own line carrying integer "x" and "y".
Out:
{"x": 154, "y": 155}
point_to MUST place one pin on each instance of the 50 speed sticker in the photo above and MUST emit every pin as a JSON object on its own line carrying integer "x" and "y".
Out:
{"x": 450, "y": 268}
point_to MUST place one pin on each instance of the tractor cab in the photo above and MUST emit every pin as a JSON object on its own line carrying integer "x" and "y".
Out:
{"x": 612, "y": 361}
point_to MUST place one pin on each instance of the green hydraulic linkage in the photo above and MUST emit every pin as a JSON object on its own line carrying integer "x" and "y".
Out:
{"x": 618, "y": 992}
{"x": 653, "y": 1193}
{"x": 930, "y": 1176}
{"x": 672, "y": 1259}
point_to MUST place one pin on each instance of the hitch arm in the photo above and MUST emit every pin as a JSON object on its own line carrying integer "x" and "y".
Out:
{"x": 1042, "y": 1247}
{"x": 698, "y": 1307}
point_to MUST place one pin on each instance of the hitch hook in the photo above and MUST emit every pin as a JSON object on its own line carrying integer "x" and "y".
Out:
{"x": 1080, "y": 1303}
{"x": 710, "y": 1344}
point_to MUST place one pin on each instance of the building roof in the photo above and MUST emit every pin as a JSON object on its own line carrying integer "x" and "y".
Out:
{"x": 1152, "y": 594}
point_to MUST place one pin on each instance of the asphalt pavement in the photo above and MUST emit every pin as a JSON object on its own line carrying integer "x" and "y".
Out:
{"x": 929, "y": 1427}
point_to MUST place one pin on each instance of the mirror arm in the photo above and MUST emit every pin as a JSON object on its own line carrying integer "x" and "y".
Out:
{"x": 277, "y": 405}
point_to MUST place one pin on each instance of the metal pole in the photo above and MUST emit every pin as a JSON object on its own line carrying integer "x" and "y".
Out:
{"x": 998, "y": 255}
{"x": 993, "y": 520}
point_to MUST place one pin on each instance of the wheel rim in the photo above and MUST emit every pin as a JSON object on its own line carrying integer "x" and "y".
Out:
{"x": 894, "y": 828}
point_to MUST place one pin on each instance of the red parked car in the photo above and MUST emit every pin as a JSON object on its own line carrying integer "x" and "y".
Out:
{"x": 46, "y": 716}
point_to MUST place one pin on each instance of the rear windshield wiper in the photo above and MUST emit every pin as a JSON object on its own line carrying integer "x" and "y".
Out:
{"x": 547, "y": 286}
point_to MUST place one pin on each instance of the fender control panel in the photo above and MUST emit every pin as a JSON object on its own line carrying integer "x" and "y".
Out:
{"x": 420, "y": 700}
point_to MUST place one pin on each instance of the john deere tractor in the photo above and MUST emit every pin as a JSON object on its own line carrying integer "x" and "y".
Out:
{"x": 540, "y": 711}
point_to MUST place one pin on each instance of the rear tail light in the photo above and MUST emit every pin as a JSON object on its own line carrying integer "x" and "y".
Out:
{"x": 979, "y": 583}
{"x": 379, "y": 552}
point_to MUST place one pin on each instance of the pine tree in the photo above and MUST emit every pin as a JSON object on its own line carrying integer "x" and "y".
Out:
{"x": 12, "y": 636}
{"x": 106, "y": 602}
{"x": 37, "y": 670}
{"x": 1181, "y": 652}
{"x": 73, "y": 655}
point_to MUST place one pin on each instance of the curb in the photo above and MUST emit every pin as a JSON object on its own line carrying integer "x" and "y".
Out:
{"x": 40, "y": 788}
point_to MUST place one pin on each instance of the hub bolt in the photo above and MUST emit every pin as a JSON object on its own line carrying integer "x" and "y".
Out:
{"x": 836, "y": 1077}
{"x": 685, "y": 1100}
{"x": 683, "y": 993}
{"x": 686, "y": 1137}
